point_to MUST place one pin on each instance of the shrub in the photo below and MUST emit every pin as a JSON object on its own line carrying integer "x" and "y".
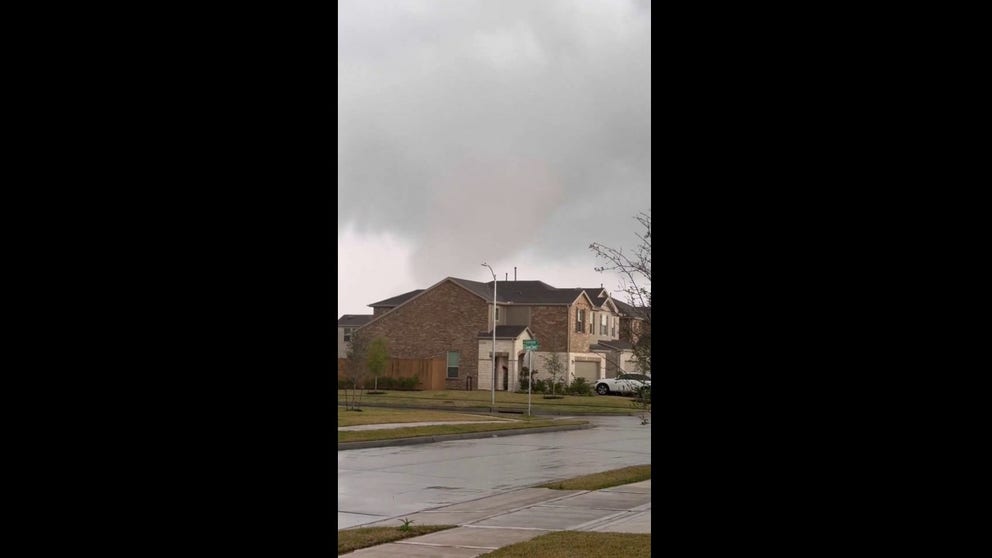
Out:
{"x": 579, "y": 386}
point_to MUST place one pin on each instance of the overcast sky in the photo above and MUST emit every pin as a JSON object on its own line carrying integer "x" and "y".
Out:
{"x": 511, "y": 132}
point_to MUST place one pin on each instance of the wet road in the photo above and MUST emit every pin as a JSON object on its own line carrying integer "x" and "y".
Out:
{"x": 377, "y": 483}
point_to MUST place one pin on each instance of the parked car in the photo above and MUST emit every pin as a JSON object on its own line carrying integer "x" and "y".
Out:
{"x": 623, "y": 383}
{"x": 646, "y": 380}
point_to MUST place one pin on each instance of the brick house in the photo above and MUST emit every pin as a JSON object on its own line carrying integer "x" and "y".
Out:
{"x": 452, "y": 320}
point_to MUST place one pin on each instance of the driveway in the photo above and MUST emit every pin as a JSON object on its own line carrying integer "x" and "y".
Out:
{"x": 382, "y": 483}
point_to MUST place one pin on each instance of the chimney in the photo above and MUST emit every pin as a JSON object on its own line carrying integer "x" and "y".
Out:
{"x": 506, "y": 276}
{"x": 514, "y": 273}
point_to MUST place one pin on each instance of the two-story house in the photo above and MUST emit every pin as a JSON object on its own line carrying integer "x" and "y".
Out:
{"x": 347, "y": 325}
{"x": 453, "y": 320}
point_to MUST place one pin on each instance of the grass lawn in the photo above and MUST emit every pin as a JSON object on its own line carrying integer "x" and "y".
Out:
{"x": 434, "y": 430}
{"x": 604, "y": 404}
{"x": 353, "y": 539}
{"x": 378, "y": 415}
{"x": 578, "y": 544}
{"x": 605, "y": 479}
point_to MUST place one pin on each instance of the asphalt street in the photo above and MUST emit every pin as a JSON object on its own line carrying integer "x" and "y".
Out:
{"x": 381, "y": 483}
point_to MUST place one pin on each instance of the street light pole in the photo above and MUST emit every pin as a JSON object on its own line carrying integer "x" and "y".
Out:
{"x": 492, "y": 408}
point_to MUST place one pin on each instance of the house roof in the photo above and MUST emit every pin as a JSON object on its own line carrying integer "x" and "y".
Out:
{"x": 396, "y": 300}
{"x": 632, "y": 311}
{"x": 507, "y": 292}
{"x": 612, "y": 345}
{"x": 348, "y": 320}
{"x": 533, "y": 292}
{"x": 596, "y": 293}
{"x": 504, "y": 332}
{"x": 520, "y": 292}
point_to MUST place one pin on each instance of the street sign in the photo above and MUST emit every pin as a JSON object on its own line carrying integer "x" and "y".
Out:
{"x": 530, "y": 344}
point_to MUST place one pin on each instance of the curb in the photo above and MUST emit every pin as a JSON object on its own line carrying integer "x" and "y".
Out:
{"x": 541, "y": 412}
{"x": 462, "y": 436}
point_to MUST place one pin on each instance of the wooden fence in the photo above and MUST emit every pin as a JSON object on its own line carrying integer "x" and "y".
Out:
{"x": 430, "y": 371}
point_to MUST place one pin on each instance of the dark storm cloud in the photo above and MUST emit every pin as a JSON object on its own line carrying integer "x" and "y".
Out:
{"x": 490, "y": 126}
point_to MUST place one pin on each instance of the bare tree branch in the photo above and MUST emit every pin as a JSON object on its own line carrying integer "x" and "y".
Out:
{"x": 634, "y": 269}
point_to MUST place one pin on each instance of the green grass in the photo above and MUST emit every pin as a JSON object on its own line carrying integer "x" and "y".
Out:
{"x": 438, "y": 429}
{"x": 353, "y": 539}
{"x": 378, "y": 415}
{"x": 605, "y": 479}
{"x": 578, "y": 544}
{"x": 504, "y": 400}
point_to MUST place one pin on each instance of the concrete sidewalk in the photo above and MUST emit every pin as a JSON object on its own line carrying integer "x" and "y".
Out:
{"x": 391, "y": 425}
{"x": 495, "y": 521}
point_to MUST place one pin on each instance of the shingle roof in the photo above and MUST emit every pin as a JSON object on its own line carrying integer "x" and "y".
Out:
{"x": 611, "y": 345}
{"x": 594, "y": 292}
{"x": 477, "y": 287}
{"x": 517, "y": 292}
{"x": 348, "y": 320}
{"x": 633, "y": 311}
{"x": 504, "y": 332}
{"x": 396, "y": 300}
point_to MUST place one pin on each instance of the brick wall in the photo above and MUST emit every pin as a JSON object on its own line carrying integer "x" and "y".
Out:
{"x": 550, "y": 324}
{"x": 445, "y": 318}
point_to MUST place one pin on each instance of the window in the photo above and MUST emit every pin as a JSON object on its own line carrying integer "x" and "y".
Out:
{"x": 453, "y": 358}
{"x": 614, "y": 328}
{"x": 579, "y": 314}
{"x": 347, "y": 333}
{"x": 497, "y": 313}
{"x": 602, "y": 324}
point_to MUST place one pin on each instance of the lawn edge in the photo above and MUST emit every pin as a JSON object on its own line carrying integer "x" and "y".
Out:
{"x": 460, "y": 436}
{"x": 534, "y": 411}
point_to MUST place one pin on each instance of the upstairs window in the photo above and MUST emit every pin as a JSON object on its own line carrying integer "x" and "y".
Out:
{"x": 579, "y": 315}
{"x": 453, "y": 359}
{"x": 602, "y": 324}
{"x": 347, "y": 334}
{"x": 497, "y": 313}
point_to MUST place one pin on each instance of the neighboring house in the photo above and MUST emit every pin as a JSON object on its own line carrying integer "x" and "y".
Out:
{"x": 383, "y": 306}
{"x": 619, "y": 356}
{"x": 347, "y": 326}
{"x": 452, "y": 320}
{"x": 634, "y": 321}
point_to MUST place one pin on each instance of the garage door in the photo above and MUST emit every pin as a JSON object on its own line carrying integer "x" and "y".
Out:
{"x": 587, "y": 370}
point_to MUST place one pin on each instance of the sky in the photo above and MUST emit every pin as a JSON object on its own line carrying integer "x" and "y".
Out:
{"x": 510, "y": 132}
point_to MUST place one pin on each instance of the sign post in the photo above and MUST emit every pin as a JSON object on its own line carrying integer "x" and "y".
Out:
{"x": 530, "y": 345}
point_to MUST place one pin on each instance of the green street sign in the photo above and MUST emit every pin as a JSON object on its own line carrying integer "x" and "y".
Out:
{"x": 530, "y": 344}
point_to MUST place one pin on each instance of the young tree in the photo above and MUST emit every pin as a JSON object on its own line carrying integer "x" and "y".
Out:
{"x": 355, "y": 368}
{"x": 555, "y": 367}
{"x": 378, "y": 355}
{"x": 634, "y": 269}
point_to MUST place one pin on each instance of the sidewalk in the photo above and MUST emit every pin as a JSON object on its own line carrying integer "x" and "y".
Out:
{"x": 495, "y": 521}
{"x": 390, "y": 425}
